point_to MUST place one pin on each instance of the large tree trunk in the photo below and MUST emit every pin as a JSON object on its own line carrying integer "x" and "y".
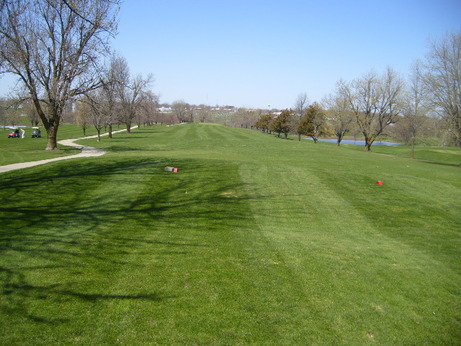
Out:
{"x": 368, "y": 144}
{"x": 52, "y": 135}
{"x": 340, "y": 138}
{"x": 52, "y": 124}
{"x": 369, "y": 139}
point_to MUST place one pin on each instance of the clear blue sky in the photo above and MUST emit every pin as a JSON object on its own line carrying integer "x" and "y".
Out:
{"x": 253, "y": 53}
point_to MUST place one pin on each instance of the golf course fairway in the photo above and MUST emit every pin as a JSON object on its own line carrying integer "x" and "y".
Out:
{"x": 255, "y": 240}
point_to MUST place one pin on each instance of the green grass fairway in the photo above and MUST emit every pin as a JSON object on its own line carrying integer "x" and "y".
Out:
{"x": 256, "y": 240}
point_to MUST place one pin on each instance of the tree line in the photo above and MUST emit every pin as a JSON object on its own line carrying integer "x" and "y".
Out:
{"x": 121, "y": 99}
{"x": 372, "y": 103}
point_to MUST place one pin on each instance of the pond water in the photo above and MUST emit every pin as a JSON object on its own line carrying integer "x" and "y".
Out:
{"x": 356, "y": 142}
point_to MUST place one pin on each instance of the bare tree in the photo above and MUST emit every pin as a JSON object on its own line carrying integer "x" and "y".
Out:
{"x": 133, "y": 98}
{"x": 120, "y": 98}
{"x": 301, "y": 103}
{"x": 300, "y": 106}
{"x": 203, "y": 114}
{"x": 31, "y": 112}
{"x": 130, "y": 92}
{"x": 110, "y": 88}
{"x": 240, "y": 117}
{"x": 148, "y": 108}
{"x": 98, "y": 109}
{"x": 374, "y": 101}
{"x": 12, "y": 108}
{"x": 83, "y": 115}
{"x": 414, "y": 107}
{"x": 180, "y": 110}
{"x": 99, "y": 106}
{"x": 339, "y": 115}
{"x": 53, "y": 47}
{"x": 443, "y": 81}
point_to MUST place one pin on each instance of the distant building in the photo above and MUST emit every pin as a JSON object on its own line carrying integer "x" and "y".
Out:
{"x": 165, "y": 110}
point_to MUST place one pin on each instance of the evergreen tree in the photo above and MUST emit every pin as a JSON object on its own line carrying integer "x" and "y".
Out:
{"x": 312, "y": 124}
{"x": 282, "y": 124}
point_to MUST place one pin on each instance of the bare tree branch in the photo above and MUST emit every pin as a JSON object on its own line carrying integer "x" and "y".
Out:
{"x": 53, "y": 46}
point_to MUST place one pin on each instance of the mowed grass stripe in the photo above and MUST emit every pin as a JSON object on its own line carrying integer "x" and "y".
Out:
{"x": 346, "y": 263}
{"x": 257, "y": 240}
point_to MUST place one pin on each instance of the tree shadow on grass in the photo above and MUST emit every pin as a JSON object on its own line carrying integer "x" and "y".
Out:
{"x": 439, "y": 163}
{"x": 70, "y": 231}
{"x": 18, "y": 294}
{"x": 122, "y": 148}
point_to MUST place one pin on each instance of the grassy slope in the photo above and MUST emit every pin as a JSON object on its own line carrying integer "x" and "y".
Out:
{"x": 256, "y": 240}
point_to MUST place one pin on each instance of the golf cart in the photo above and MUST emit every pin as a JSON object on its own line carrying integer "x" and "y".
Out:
{"x": 14, "y": 134}
{"x": 36, "y": 133}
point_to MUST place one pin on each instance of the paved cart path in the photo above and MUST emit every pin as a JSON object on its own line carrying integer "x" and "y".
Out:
{"x": 86, "y": 152}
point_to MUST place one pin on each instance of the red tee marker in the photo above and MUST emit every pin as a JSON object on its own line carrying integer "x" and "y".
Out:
{"x": 379, "y": 182}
